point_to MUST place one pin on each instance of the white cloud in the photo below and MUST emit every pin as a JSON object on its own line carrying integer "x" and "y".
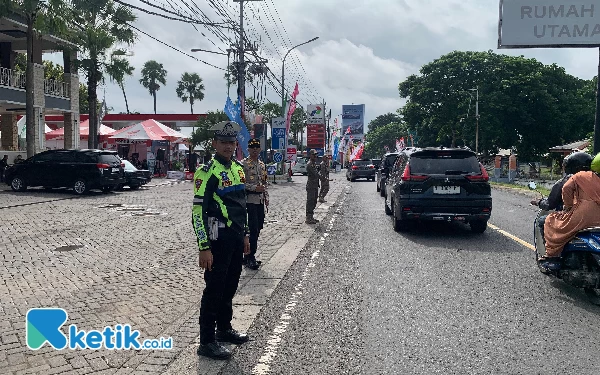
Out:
{"x": 365, "y": 49}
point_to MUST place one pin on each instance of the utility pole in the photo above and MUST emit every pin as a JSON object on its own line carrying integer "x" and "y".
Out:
{"x": 241, "y": 61}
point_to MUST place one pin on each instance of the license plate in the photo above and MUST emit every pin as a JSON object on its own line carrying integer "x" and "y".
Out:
{"x": 115, "y": 169}
{"x": 446, "y": 190}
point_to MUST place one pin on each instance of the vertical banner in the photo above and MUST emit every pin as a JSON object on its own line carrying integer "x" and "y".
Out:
{"x": 234, "y": 113}
{"x": 315, "y": 128}
{"x": 353, "y": 118}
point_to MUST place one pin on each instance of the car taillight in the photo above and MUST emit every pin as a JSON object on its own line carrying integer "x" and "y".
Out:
{"x": 122, "y": 165}
{"x": 406, "y": 176}
{"x": 483, "y": 177}
{"x": 371, "y": 166}
{"x": 102, "y": 166}
{"x": 354, "y": 167}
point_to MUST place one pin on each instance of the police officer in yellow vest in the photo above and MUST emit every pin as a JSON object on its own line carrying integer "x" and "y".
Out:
{"x": 257, "y": 198}
{"x": 220, "y": 223}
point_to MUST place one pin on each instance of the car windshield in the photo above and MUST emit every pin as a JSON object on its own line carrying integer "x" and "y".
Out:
{"x": 447, "y": 163}
{"x": 128, "y": 166}
{"x": 390, "y": 160}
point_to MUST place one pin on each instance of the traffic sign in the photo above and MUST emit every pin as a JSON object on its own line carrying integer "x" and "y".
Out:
{"x": 271, "y": 169}
{"x": 278, "y": 157}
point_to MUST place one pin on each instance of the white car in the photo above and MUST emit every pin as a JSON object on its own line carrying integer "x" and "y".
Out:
{"x": 300, "y": 166}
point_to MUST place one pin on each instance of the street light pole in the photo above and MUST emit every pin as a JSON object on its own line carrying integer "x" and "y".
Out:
{"x": 283, "y": 74}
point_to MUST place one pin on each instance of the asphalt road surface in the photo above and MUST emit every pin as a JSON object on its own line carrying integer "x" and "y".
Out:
{"x": 363, "y": 299}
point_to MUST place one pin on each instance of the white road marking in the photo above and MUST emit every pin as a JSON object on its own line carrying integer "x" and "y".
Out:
{"x": 263, "y": 366}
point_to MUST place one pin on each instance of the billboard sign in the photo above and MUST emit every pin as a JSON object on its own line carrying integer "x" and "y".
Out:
{"x": 548, "y": 23}
{"x": 315, "y": 114}
{"x": 353, "y": 117}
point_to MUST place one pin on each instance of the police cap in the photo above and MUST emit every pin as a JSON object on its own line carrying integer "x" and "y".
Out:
{"x": 254, "y": 143}
{"x": 226, "y": 130}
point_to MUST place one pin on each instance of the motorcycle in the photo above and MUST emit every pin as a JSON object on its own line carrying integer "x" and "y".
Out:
{"x": 579, "y": 262}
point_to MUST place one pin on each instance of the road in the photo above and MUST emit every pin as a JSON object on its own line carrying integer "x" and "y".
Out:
{"x": 363, "y": 299}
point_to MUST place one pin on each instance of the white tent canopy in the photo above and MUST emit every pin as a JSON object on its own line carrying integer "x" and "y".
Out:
{"x": 21, "y": 127}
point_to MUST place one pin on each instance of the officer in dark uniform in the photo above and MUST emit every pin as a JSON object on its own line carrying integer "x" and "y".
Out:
{"x": 257, "y": 198}
{"x": 312, "y": 187}
{"x": 220, "y": 224}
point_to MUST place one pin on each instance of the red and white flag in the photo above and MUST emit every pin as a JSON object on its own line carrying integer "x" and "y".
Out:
{"x": 292, "y": 108}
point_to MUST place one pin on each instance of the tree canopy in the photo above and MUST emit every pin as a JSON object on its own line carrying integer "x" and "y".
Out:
{"x": 523, "y": 104}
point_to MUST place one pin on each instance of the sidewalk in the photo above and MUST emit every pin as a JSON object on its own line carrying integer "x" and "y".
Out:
{"x": 128, "y": 257}
{"x": 282, "y": 239}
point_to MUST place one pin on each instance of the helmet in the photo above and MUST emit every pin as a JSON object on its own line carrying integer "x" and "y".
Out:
{"x": 596, "y": 164}
{"x": 577, "y": 162}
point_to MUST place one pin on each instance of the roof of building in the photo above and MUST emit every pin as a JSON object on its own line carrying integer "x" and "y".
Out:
{"x": 579, "y": 145}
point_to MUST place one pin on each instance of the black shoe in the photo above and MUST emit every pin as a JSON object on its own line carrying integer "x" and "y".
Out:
{"x": 213, "y": 350}
{"x": 252, "y": 264}
{"x": 232, "y": 336}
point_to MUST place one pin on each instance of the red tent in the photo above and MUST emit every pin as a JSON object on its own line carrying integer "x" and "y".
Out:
{"x": 148, "y": 130}
{"x": 84, "y": 131}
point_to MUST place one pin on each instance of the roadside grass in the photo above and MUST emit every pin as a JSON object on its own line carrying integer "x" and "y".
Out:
{"x": 541, "y": 189}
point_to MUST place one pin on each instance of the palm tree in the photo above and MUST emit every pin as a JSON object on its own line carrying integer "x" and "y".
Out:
{"x": 117, "y": 71}
{"x": 103, "y": 24}
{"x": 190, "y": 87}
{"x": 153, "y": 74}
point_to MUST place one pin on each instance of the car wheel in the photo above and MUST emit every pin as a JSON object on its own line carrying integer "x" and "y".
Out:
{"x": 386, "y": 207}
{"x": 378, "y": 188}
{"x": 478, "y": 226}
{"x": 134, "y": 187}
{"x": 119, "y": 187}
{"x": 80, "y": 187}
{"x": 18, "y": 184}
{"x": 107, "y": 189}
{"x": 382, "y": 192}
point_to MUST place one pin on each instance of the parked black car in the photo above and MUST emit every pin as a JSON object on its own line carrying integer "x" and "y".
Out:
{"x": 445, "y": 184}
{"x": 360, "y": 169}
{"x": 80, "y": 170}
{"x": 376, "y": 163}
{"x": 381, "y": 174}
{"x": 134, "y": 178}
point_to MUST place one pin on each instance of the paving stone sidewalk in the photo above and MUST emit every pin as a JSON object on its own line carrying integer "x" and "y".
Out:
{"x": 126, "y": 257}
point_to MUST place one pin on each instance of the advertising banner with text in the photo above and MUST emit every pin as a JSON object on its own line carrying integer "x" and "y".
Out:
{"x": 353, "y": 117}
{"x": 315, "y": 127}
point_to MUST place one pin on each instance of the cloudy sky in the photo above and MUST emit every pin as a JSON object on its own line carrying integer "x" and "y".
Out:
{"x": 365, "y": 49}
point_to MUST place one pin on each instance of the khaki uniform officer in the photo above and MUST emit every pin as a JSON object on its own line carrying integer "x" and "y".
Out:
{"x": 257, "y": 198}
{"x": 312, "y": 187}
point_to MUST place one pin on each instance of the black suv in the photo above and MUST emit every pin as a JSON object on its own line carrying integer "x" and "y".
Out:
{"x": 445, "y": 184}
{"x": 360, "y": 169}
{"x": 80, "y": 170}
{"x": 387, "y": 162}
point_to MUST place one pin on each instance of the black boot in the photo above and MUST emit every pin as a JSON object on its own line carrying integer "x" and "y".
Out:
{"x": 232, "y": 336}
{"x": 214, "y": 350}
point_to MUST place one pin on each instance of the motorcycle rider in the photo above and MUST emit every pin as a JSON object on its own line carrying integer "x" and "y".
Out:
{"x": 581, "y": 195}
{"x": 573, "y": 163}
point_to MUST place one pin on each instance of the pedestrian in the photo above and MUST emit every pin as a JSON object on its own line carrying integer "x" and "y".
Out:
{"x": 257, "y": 198}
{"x": 312, "y": 187}
{"x": 324, "y": 177}
{"x": 220, "y": 225}
{"x": 3, "y": 166}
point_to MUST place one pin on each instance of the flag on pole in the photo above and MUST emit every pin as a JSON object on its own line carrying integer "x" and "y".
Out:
{"x": 233, "y": 111}
{"x": 291, "y": 107}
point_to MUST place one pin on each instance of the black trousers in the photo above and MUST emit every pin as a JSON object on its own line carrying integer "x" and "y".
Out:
{"x": 216, "y": 307}
{"x": 256, "y": 220}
